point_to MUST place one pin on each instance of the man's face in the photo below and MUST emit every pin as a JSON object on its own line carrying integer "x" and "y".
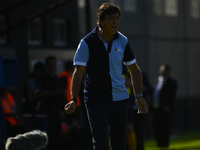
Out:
{"x": 164, "y": 71}
{"x": 110, "y": 24}
{"x": 52, "y": 66}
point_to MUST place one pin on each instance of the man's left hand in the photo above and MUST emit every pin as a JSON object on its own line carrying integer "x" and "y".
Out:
{"x": 141, "y": 105}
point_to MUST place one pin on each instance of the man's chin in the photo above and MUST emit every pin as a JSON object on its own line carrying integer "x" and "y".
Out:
{"x": 114, "y": 31}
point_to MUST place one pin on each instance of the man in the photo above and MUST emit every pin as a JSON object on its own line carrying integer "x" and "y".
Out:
{"x": 55, "y": 103}
{"x": 100, "y": 54}
{"x": 34, "y": 108}
{"x": 34, "y": 104}
{"x": 163, "y": 106}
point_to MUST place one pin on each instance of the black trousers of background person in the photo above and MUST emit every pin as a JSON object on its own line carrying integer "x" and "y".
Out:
{"x": 161, "y": 127}
{"x": 54, "y": 131}
{"x": 138, "y": 125}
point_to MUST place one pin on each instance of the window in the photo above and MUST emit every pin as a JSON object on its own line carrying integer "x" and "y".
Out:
{"x": 194, "y": 9}
{"x": 116, "y": 2}
{"x": 157, "y": 7}
{"x": 2, "y": 28}
{"x": 60, "y": 29}
{"x": 171, "y": 7}
{"x": 166, "y": 7}
{"x": 35, "y": 32}
{"x": 130, "y": 5}
{"x": 81, "y": 3}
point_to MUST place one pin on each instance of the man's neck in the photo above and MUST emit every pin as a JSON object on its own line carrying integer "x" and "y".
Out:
{"x": 161, "y": 78}
{"x": 106, "y": 37}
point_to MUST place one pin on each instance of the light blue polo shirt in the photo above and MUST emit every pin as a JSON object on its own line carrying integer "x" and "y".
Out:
{"x": 104, "y": 64}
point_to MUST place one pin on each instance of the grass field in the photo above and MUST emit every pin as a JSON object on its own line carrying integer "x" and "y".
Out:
{"x": 181, "y": 141}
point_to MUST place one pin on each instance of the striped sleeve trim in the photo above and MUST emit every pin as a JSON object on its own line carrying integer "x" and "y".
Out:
{"x": 130, "y": 62}
{"x": 80, "y": 63}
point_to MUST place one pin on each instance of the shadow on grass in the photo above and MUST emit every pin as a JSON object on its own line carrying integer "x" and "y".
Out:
{"x": 184, "y": 141}
{"x": 181, "y": 148}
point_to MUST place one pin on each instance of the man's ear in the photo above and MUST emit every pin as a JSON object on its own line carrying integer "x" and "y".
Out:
{"x": 99, "y": 23}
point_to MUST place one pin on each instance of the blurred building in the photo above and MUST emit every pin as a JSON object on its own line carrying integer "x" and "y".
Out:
{"x": 33, "y": 29}
{"x": 159, "y": 31}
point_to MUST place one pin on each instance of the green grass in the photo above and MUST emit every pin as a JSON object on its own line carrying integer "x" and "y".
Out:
{"x": 183, "y": 141}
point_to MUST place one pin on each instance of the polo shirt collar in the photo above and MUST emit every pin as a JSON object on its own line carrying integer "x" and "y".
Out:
{"x": 95, "y": 35}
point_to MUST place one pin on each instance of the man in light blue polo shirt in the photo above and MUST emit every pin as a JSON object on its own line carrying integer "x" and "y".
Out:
{"x": 100, "y": 55}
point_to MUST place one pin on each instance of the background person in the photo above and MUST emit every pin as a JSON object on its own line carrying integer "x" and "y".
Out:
{"x": 14, "y": 124}
{"x": 34, "y": 105}
{"x": 163, "y": 106}
{"x": 136, "y": 122}
{"x": 55, "y": 103}
{"x": 3, "y": 135}
{"x": 75, "y": 138}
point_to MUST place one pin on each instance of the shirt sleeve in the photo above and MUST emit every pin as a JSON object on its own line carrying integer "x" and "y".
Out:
{"x": 129, "y": 57}
{"x": 82, "y": 54}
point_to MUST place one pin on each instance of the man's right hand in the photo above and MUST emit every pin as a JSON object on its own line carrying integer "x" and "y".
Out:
{"x": 70, "y": 107}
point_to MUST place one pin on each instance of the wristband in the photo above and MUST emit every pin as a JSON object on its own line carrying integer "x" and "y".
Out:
{"x": 138, "y": 95}
{"x": 74, "y": 99}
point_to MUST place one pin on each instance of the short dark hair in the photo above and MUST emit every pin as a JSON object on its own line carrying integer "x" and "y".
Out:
{"x": 167, "y": 66}
{"x": 107, "y": 9}
{"x": 49, "y": 58}
{"x": 39, "y": 66}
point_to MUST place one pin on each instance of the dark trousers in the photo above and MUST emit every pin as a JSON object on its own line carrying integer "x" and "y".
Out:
{"x": 138, "y": 125}
{"x": 54, "y": 130}
{"x": 108, "y": 119}
{"x": 161, "y": 127}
